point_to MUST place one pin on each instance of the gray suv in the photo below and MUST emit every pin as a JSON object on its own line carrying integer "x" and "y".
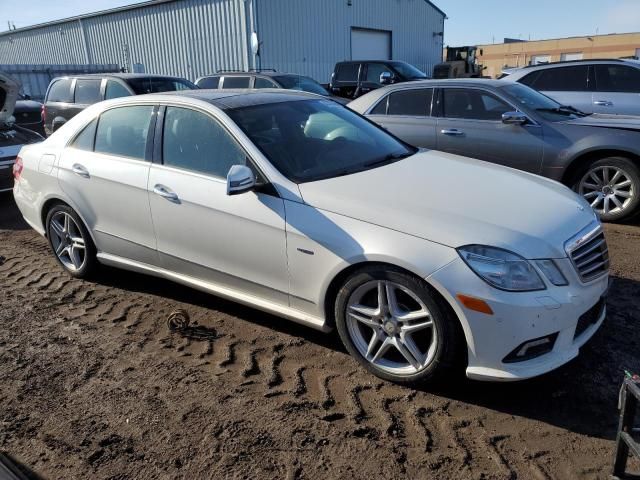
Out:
{"x": 593, "y": 86}
{"x": 513, "y": 125}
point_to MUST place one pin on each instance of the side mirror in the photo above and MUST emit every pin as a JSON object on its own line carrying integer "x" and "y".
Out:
{"x": 57, "y": 123}
{"x": 514, "y": 118}
{"x": 386, "y": 78}
{"x": 240, "y": 179}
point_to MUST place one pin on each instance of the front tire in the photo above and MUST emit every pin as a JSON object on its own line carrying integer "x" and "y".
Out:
{"x": 70, "y": 241}
{"x": 612, "y": 187}
{"x": 393, "y": 324}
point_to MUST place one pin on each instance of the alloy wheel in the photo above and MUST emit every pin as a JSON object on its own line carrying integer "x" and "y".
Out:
{"x": 67, "y": 241}
{"x": 391, "y": 327}
{"x": 609, "y": 189}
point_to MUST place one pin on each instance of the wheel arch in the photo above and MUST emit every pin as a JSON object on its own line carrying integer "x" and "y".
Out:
{"x": 581, "y": 161}
{"x": 52, "y": 202}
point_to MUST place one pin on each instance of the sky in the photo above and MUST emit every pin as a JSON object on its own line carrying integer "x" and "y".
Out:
{"x": 470, "y": 22}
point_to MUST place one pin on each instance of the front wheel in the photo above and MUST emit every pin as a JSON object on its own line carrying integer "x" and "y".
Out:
{"x": 393, "y": 325}
{"x": 70, "y": 241}
{"x": 612, "y": 187}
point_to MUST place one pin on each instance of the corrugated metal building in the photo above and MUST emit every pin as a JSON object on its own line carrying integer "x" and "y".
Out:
{"x": 191, "y": 38}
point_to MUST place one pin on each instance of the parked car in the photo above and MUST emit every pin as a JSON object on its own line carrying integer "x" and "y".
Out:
{"x": 67, "y": 96}
{"x": 28, "y": 114}
{"x": 354, "y": 78}
{"x": 513, "y": 125}
{"x": 265, "y": 79}
{"x": 300, "y": 207}
{"x": 12, "y": 136}
{"x": 593, "y": 86}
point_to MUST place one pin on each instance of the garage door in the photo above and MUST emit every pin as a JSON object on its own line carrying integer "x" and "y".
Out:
{"x": 370, "y": 44}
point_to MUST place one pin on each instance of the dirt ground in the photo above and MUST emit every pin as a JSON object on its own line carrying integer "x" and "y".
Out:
{"x": 93, "y": 385}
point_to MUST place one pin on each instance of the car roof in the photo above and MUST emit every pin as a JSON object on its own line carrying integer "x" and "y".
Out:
{"x": 449, "y": 82}
{"x": 370, "y": 61}
{"x": 265, "y": 73}
{"x": 123, "y": 76}
{"x": 238, "y": 98}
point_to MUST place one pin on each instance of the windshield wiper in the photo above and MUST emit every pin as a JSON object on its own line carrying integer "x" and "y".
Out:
{"x": 392, "y": 157}
{"x": 564, "y": 109}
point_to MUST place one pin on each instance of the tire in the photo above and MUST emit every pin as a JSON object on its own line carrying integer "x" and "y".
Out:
{"x": 70, "y": 241}
{"x": 598, "y": 182}
{"x": 358, "y": 320}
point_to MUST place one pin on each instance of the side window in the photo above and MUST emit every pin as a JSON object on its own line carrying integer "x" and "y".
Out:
{"x": 123, "y": 131}
{"x": 374, "y": 70}
{"x": 84, "y": 140}
{"x": 381, "y": 107}
{"x": 563, "y": 79}
{"x": 209, "y": 82}
{"x": 347, "y": 72}
{"x": 263, "y": 83}
{"x": 60, "y": 91}
{"x": 195, "y": 141}
{"x": 115, "y": 90}
{"x": 473, "y": 105}
{"x": 236, "y": 82}
{"x": 88, "y": 91}
{"x": 617, "y": 78}
{"x": 416, "y": 103}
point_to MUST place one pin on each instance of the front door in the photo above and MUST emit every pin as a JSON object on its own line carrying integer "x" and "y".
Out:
{"x": 104, "y": 172}
{"x": 471, "y": 125}
{"x": 235, "y": 242}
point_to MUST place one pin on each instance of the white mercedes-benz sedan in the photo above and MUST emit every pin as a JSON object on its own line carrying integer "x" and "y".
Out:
{"x": 291, "y": 203}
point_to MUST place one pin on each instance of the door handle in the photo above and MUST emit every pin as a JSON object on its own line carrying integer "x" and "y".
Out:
{"x": 80, "y": 170}
{"x": 603, "y": 103}
{"x": 453, "y": 132}
{"x": 167, "y": 193}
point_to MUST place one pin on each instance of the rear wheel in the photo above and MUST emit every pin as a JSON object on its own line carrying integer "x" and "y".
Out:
{"x": 612, "y": 187}
{"x": 392, "y": 324}
{"x": 70, "y": 241}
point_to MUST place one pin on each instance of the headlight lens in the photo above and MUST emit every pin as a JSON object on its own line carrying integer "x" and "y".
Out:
{"x": 552, "y": 272}
{"x": 501, "y": 268}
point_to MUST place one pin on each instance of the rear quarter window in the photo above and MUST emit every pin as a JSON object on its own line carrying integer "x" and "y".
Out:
{"x": 60, "y": 91}
{"x": 209, "y": 82}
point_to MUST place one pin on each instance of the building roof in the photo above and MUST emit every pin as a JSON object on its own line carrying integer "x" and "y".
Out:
{"x": 133, "y": 6}
{"x": 560, "y": 38}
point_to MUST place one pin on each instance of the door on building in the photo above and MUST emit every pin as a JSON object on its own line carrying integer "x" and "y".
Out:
{"x": 540, "y": 59}
{"x": 367, "y": 44}
{"x": 571, "y": 57}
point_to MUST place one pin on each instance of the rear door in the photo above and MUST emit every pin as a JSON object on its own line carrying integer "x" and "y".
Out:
{"x": 407, "y": 114}
{"x": 345, "y": 79}
{"x": 571, "y": 85}
{"x": 105, "y": 171}
{"x": 617, "y": 89}
{"x": 470, "y": 124}
{"x": 236, "y": 81}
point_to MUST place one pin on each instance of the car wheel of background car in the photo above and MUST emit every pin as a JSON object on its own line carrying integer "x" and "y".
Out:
{"x": 612, "y": 187}
{"x": 392, "y": 324}
{"x": 70, "y": 241}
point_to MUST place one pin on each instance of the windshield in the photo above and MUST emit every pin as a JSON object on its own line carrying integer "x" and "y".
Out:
{"x": 298, "y": 82}
{"x": 144, "y": 85}
{"x": 408, "y": 71}
{"x": 311, "y": 140}
{"x": 545, "y": 106}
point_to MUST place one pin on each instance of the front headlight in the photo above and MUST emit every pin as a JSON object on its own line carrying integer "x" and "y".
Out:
{"x": 501, "y": 268}
{"x": 552, "y": 272}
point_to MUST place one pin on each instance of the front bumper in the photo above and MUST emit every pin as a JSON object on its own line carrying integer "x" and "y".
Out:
{"x": 6, "y": 175}
{"x": 520, "y": 317}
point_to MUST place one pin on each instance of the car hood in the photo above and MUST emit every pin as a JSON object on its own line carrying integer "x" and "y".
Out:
{"x": 626, "y": 122}
{"x": 8, "y": 95}
{"x": 459, "y": 201}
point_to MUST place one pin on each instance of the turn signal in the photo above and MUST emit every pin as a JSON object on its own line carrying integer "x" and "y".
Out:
{"x": 17, "y": 168}
{"x": 475, "y": 304}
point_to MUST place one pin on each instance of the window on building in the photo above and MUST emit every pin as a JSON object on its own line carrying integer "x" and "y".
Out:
{"x": 115, "y": 90}
{"x": 473, "y": 104}
{"x": 195, "y": 141}
{"x": 415, "y": 102}
{"x": 617, "y": 78}
{"x": 88, "y": 91}
{"x": 540, "y": 59}
{"x": 60, "y": 91}
{"x": 560, "y": 79}
{"x": 261, "y": 82}
{"x": 347, "y": 72}
{"x": 123, "y": 131}
{"x": 236, "y": 82}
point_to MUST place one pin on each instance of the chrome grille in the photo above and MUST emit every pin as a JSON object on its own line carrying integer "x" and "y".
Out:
{"x": 589, "y": 253}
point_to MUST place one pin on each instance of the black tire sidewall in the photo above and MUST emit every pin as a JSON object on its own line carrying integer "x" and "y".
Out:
{"x": 90, "y": 263}
{"x": 632, "y": 170}
{"x": 448, "y": 343}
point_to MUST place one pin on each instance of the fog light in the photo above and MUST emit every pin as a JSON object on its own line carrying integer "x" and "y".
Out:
{"x": 531, "y": 349}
